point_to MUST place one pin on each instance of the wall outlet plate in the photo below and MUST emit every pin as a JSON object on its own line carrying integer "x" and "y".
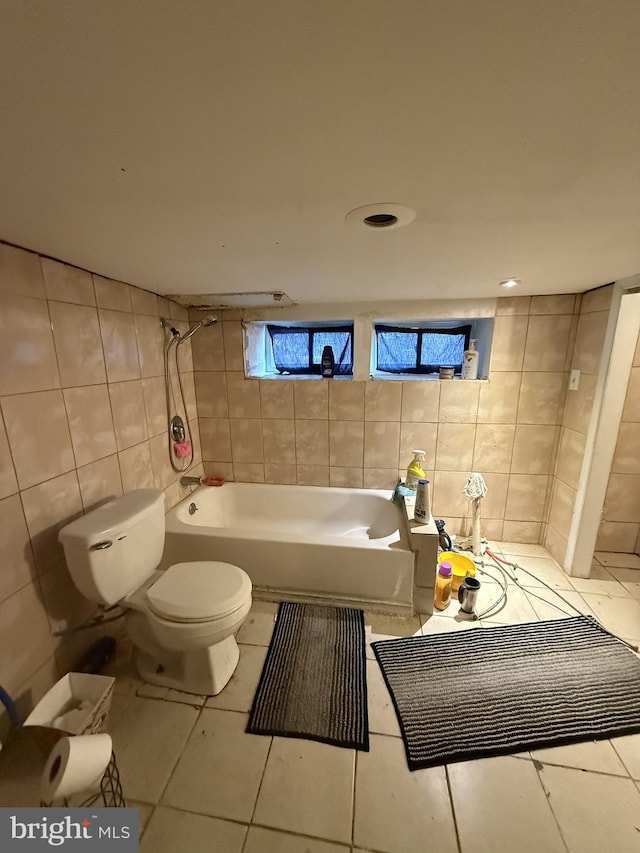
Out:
{"x": 574, "y": 380}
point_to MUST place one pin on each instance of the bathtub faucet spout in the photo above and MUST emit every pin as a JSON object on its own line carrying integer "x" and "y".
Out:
{"x": 190, "y": 481}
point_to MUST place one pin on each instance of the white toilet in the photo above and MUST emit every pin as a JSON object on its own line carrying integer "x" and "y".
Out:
{"x": 182, "y": 621}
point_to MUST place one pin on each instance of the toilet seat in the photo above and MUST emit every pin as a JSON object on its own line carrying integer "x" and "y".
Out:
{"x": 202, "y": 591}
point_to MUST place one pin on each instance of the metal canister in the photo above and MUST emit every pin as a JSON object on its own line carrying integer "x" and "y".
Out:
{"x": 468, "y": 594}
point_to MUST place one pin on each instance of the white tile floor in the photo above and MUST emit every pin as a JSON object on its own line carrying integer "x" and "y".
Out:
{"x": 203, "y": 784}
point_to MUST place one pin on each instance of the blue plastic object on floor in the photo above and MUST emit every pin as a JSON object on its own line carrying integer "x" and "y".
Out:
{"x": 9, "y": 704}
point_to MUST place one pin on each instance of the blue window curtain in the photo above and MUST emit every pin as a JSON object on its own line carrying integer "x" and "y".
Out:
{"x": 420, "y": 350}
{"x": 298, "y": 349}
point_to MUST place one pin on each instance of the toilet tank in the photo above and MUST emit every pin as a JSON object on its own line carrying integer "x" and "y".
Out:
{"x": 113, "y": 549}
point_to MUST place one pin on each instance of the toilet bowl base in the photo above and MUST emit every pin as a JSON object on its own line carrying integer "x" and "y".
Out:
{"x": 201, "y": 671}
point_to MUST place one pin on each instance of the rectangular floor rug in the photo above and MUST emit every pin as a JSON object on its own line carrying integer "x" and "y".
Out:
{"x": 314, "y": 680}
{"x": 494, "y": 691}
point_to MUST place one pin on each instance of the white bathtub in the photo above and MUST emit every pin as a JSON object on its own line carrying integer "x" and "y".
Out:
{"x": 343, "y": 545}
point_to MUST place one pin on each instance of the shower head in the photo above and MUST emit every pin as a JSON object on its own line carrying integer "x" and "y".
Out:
{"x": 208, "y": 320}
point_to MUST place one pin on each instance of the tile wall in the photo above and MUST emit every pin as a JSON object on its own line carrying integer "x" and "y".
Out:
{"x": 587, "y": 352}
{"x": 620, "y": 526}
{"x": 83, "y": 417}
{"x": 351, "y": 433}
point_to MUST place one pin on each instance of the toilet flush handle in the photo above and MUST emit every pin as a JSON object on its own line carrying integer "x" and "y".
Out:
{"x": 100, "y": 546}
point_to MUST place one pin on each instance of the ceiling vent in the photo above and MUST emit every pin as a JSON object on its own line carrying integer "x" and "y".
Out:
{"x": 260, "y": 299}
{"x": 380, "y": 217}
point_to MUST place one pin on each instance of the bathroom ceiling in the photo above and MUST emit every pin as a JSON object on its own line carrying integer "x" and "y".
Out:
{"x": 204, "y": 147}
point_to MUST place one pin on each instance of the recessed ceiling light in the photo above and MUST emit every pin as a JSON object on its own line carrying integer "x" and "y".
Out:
{"x": 510, "y": 282}
{"x": 380, "y": 217}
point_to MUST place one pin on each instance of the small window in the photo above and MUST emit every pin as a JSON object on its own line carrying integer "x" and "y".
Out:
{"x": 406, "y": 349}
{"x": 297, "y": 350}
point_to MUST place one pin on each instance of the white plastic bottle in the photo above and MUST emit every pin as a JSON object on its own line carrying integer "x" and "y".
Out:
{"x": 422, "y": 510}
{"x": 470, "y": 361}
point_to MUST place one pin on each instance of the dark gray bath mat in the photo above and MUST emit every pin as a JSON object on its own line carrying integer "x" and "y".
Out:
{"x": 314, "y": 683}
{"x": 493, "y": 691}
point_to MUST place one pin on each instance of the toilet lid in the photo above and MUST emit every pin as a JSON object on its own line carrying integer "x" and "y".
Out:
{"x": 199, "y": 591}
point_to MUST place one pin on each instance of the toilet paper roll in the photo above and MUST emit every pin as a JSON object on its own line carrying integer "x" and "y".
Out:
{"x": 75, "y": 764}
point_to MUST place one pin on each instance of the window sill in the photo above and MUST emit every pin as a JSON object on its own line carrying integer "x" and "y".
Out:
{"x": 293, "y": 376}
{"x": 421, "y": 377}
{"x": 385, "y": 377}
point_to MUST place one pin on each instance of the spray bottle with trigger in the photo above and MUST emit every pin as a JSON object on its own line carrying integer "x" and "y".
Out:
{"x": 415, "y": 470}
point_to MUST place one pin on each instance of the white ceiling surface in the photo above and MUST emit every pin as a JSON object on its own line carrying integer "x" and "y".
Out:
{"x": 248, "y": 130}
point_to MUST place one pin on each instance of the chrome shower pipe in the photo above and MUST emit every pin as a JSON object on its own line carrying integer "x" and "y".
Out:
{"x": 170, "y": 343}
{"x": 176, "y": 339}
